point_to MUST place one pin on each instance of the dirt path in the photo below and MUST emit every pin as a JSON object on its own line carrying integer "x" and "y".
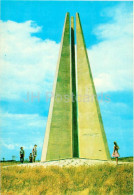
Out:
{"x": 70, "y": 162}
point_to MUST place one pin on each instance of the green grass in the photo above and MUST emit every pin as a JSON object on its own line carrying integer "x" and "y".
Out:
{"x": 97, "y": 179}
{"x": 125, "y": 159}
{"x": 5, "y": 163}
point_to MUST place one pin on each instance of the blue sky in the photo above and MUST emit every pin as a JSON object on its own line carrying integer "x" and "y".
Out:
{"x": 30, "y": 37}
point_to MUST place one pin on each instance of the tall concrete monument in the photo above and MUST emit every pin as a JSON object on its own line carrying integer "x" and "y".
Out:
{"x": 74, "y": 127}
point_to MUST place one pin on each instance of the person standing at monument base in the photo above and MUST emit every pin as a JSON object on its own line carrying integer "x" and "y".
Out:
{"x": 30, "y": 158}
{"x": 34, "y": 151}
{"x": 115, "y": 152}
{"x": 22, "y": 154}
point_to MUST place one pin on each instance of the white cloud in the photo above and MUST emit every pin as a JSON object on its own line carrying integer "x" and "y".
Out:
{"x": 112, "y": 58}
{"x": 27, "y": 62}
{"x": 22, "y": 130}
{"x": 10, "y": 146}
{"x": 21, "y": 121}
{"x": 17, "y": 146}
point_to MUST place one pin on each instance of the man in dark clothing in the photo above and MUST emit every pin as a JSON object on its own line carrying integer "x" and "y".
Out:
{"x": 34, "y": 151}
{"x": 22, "y": 155}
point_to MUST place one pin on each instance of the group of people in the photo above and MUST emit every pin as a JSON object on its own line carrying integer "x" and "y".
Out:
{"x": 32, "y": 156}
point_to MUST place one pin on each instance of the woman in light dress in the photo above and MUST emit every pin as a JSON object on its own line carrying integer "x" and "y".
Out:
{"x": 115, "y": 152}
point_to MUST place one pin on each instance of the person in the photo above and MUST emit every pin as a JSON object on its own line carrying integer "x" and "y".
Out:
{"x": 115, "y": 152}
{"x": 30, "y": 158}
{"x": 34, "y": 151}
{"x": 22, "y": 154}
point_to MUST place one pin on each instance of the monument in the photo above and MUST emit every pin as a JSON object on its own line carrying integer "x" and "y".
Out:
{"x": 74, "y": 127}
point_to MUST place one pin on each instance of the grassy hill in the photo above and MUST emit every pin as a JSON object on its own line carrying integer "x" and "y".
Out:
{"x": 96, "y": 179}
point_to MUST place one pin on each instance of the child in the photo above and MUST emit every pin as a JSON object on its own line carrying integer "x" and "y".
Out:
{"x": 30, "y": 158}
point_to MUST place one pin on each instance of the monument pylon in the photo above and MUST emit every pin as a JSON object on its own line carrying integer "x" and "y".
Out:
{"x": 92, "y": 138}
{"x": 58, "y": 136}
{"x": 74, "y": 127}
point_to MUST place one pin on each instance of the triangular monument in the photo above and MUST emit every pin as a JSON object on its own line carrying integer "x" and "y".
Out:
{"x": 74, "y": 127}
